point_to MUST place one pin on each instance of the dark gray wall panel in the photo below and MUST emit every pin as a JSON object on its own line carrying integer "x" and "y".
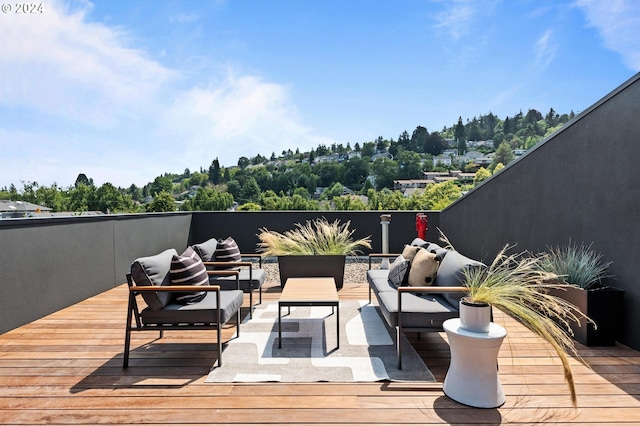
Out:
{"x": 145, "y": 235}
{"x": 244, "y": 226}
{"x": 49, "y": 264}
{"x": 581, "y": 184}
{"x": 47, "y": 268}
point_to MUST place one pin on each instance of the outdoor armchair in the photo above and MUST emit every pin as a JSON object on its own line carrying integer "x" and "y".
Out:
{"x": 149, "y": 278}
{"x": 250, "y": 278}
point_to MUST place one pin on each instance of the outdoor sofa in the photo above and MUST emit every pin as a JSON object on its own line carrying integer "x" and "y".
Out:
{"x": 420, "y": 308}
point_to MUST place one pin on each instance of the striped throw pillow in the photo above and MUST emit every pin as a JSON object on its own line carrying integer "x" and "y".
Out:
{"x": 188, "y": 269}
{"x": 227, "y": 251}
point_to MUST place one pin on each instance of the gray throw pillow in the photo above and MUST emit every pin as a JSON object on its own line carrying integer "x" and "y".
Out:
{"x": 154, "y": 270}
{"x": 451, "y": 273}
{"x": 206, "y": 250}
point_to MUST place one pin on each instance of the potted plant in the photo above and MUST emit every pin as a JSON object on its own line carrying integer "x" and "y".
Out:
{"x": 517, "y": 285}
{"x": 584, "y": 270}
{"x": 317, "y": 249}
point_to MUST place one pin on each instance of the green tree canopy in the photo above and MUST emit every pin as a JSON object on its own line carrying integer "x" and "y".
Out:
{"x": 162, "y": 202}
{"x": 481, "y": 175}
{"x": 503, "y": 155}
{"x": 209, "y": 199}
{"x": 385, "y": 171}
{"x": 161, "y": 183}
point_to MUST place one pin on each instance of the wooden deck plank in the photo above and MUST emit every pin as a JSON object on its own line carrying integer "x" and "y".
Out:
{"x": 67, "y": 369}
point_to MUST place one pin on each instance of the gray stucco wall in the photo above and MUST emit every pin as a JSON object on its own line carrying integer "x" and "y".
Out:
{"x": 49, "y": 264}
{"x": 581, "y": 185}
{"x": 244, "y": 226}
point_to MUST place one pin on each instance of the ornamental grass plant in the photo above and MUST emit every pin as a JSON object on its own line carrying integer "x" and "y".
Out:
{"x": 316, "y": 237}
{"x": 576, "y": 265}
{"x": 518, "y": 285}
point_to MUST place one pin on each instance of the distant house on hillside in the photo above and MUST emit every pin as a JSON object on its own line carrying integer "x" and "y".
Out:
{"x": 385, "y": 154}
{"x": 442, "y": 160}
{"x": 18, "y": 209}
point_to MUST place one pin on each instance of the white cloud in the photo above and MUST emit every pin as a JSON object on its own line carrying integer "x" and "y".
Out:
{"x": 239, "y": 116}
{"x": 618, "y": 22}
{"x": 455, "y": 20}
{"x": 544, "y": 51}
{"x": 59, "y": 65}
{"x": 77, "y": 98}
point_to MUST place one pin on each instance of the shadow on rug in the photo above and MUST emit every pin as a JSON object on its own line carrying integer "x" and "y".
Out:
{"x": 367, "y": 351}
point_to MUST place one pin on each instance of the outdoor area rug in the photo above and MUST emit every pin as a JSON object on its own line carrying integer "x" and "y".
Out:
{"x": 367, "y": 351}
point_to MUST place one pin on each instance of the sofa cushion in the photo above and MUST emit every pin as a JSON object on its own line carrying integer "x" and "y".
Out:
{"x": 206, "y": 250}
{"x": 451, "y": 273}
{"x": 437, "y": 250}
{"x": 418, "y": 311}
{"x": 188, "y": 269}
{"x": 399, "y": 271}
{"x": 419, "y": 242}
{"x": 378, "y": 280}
{"x": 154, "y": 270}
{"x": 424, "y": 268}
{"x": 227, "y": 251}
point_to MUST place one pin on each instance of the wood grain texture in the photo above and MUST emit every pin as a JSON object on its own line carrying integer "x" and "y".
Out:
{"x": 66, "y": 368}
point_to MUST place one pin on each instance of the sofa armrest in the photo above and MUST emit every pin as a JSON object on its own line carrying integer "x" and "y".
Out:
{"x": 432, "y": 289}
{"x": 180, "y": 288}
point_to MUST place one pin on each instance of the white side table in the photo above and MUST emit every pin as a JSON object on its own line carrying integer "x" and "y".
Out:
{"x": 472, "y": 378}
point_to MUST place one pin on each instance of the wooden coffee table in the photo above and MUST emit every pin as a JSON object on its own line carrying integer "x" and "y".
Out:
{"x": 309, "y": 292}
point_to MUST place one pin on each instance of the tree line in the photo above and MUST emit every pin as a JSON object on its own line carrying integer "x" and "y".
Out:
{"x": 351, "y": 178}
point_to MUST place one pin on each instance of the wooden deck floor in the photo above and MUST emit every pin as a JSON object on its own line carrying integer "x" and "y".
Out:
{"x": 67, "y": 369}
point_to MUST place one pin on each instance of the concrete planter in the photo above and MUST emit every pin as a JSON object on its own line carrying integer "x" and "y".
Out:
{"x": 604, "y": 306}
{"x": 311, "y": 266}
{"x": 474, "y": 317}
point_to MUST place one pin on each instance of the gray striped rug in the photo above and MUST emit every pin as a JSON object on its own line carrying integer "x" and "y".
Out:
{"x": 367, "y": 351}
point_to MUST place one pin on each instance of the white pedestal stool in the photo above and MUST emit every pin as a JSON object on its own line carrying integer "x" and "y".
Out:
{"x": 472, "y": 378}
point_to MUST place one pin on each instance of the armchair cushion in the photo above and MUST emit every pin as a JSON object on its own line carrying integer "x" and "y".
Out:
{"x": 258, "y": 277}
{"x": 227, "y": 251}
{"x": 206, "y": 250}
{"x": 202, "y": 312}
{"x": 188, "y": 269}
{"x": 154, "y": 270}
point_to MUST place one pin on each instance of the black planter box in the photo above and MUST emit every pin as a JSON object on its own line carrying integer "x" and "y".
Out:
{"x": 311, "y": 266}
{"x": 604, "y": 306}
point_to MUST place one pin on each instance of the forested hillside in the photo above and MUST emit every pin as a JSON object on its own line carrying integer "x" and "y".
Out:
{"x": 341, "y": 177}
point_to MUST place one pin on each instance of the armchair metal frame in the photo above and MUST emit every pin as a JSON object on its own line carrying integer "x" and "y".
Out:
{"x": 215, "y": 324}
{"x": 242, "y": 263}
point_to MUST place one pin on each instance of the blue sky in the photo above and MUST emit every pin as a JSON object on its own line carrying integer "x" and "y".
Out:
{"x": 125, "y": 91}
